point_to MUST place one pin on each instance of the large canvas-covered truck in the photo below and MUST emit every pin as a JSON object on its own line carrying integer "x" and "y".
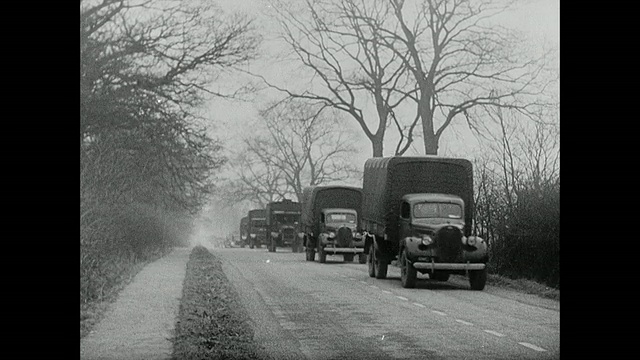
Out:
{"x": 417, "y": 214}
{"x": 283, "y": 222}
{"x": 244, "y": 231}
{"x": 330, "y": 218}
{"x": 257, "y": 228}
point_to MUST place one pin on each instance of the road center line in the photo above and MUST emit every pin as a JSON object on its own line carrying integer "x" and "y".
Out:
{"x": 373, "y": 286}
{"x": 439, "y": 312}
{"x": 364, "y": 282}
{"x": 463, "y": 322}
{"x": 386, "y": 292}
{"x": 494, "y": 333}
{"x": 402, "y": 298}
{"x": 419, "y": 305}
{"x": 531, "y": 346}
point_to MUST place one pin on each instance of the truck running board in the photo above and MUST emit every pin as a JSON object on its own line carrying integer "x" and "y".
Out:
{"x": 441, "y": 266}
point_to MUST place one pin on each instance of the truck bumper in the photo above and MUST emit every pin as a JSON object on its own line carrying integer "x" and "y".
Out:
{"x": 337, "y": 250}
{"x": 448, "y": 266}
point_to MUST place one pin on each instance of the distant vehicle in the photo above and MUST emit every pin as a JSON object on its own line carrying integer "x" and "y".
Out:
{"x": 330, "y": 216}
{"x": 417, "y": 214}
{"x": 283, "y": 222}
{"x": 244, "y": 232}
{"x": 257, "y": 228}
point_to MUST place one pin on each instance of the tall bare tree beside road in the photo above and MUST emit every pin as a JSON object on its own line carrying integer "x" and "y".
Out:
{"x": 299, "y": 144}
{"x": 447, "y": 56}
{"x": 340, "y": 43}
{"x": 462, "y": 64}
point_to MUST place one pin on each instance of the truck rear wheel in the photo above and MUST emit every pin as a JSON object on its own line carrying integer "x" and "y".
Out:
{"x": 362, "y": 258}
{"x": 311, "y": 254}
{"x": 348, "y": 257}
{"x": 408, "y": 273}
{"x": 380, "y": 265}
{"x": 370, "y": 262}
{"x": 478, "y": 279}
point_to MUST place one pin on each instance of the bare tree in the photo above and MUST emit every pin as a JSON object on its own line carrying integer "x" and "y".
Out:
{"x": 340, "y": 42}
{"x": 299, "y": 145}
{"x": 461, "y": 63}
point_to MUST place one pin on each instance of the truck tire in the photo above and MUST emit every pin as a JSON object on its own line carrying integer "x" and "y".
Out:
{"x": 311, "y": 254}
{"x": 478, "y": 279}
{"x": 362, "y": 258}
{"x": 380, "y": 265}
{"x": 322, "y": 256}
{"x": 439, "y": 276}
{"x": 408, "y": 273}
{"x": 370, "y": 262}
{"x": 348, "y": 257}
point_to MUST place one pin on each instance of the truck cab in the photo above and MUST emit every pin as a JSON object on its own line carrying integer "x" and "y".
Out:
{"x": 283, "y": 223}
{"x": 340, "y": 229}
{"x": 330, "y": 222}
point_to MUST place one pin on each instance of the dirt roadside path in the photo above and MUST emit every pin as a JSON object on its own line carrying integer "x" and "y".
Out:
{"x": 140, "y": 324}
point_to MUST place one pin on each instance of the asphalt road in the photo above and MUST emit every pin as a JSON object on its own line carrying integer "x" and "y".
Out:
{"x": 308, "y": 310}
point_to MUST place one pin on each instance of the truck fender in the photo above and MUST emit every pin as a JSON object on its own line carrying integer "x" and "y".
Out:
{"x": 368, "y": 241}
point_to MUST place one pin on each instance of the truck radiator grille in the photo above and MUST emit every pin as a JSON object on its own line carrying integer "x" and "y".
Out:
{"x": 449, "y": 244}
{"x": 344, "y": 236}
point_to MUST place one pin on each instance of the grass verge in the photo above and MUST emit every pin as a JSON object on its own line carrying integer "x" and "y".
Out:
{"x": 211, "y": 324}
{"x": 524, "y": 285}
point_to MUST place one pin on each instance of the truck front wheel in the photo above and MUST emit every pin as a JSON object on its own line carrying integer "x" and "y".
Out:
{"x": 322, "y": 256}
{"x": 362, "y": 258}
{"x": 478, "y": 279}
{"x": 408, "y": 273}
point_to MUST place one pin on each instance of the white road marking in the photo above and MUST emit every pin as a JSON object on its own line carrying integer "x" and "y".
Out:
{"x": 463, "y": 322}
{"x": 373, "y": 286}
{"x": 531, "y": 346}
{"x": 364, "y": 282}
{"x": 402, "y": 298}
{"x": 419, "y": 305}
{"x": 494, "y": 333}
{"x": 351, "y": 278}
{"x": 439, "y": 312}
{"x": 386, "y": 292}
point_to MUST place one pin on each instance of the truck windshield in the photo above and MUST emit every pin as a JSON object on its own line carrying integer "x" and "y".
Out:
{"x": 437, "y": 210}
{"x": 337, "y": 217}
{"x": 286, "y": 218}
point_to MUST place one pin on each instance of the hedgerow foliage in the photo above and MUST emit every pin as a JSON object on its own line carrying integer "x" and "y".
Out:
{"x": 145, "y": 158}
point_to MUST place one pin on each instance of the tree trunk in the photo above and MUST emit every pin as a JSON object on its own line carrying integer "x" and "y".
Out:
{"x": 377, "y": 146}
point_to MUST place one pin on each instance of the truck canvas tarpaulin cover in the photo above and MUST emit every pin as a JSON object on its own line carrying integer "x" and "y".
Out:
{"x": 386, "y": 180}
{"x": 316, "y": 198}
{"x": 286, "y": 207}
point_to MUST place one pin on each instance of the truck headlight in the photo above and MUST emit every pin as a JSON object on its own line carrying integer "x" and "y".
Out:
{"x": 471, "y": 241}
{"x": 331, "y": 234}
{"x": 427, "y": 240}
{"x": 274, "y": 234}
{"x": 253, "y": 236}
{"x": 357, "y": 235}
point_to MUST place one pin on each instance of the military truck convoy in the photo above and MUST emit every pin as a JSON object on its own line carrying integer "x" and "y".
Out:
{"x": 283, "y": 218}
{"x": 412, "y": 212}
{"x": 330, "y": 217}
